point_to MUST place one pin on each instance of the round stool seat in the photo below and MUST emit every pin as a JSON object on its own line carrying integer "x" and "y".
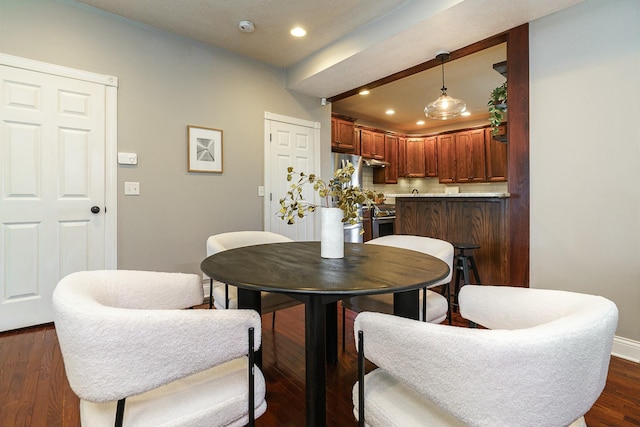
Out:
{"x": 466, "y": 246}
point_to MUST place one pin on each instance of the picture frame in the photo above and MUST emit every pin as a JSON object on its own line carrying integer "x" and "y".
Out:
{"x": 204, "y": 149}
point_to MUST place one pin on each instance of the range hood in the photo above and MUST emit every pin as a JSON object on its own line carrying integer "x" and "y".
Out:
{"x": 374, "y": 163}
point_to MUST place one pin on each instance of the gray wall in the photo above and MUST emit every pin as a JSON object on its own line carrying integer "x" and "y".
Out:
{"x": 165, "y": 83}
{"x": 585, "y": 154}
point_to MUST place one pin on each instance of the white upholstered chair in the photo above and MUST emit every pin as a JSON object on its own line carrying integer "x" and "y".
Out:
{"x": 434, "y": 307}
{"x": 226, "y": 296}
{"x": 125, "y": 335}
{"x": 543, "y": 361}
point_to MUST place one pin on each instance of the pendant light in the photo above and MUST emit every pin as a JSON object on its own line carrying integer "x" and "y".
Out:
{"x": 445, "y": 107}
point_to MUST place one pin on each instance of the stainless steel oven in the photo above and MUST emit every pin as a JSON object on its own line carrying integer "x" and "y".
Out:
{"x": 383, "y": 220}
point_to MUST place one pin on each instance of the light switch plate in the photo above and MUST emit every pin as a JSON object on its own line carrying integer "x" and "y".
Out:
{"x": 127, "y": 158}
{"x": 131, "y": 188}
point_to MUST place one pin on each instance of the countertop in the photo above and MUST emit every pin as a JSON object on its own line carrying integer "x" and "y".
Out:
{"x": 452, "y": 195}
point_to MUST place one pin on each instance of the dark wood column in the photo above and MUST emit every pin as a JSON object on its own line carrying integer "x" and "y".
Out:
{"x": 518, "y": 140}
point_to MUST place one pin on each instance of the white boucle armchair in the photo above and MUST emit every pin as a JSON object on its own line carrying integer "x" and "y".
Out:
{"x": 543, "y": 362}
{"x": 125, "y": 334}
{"x": 226, "y": 296}
{"x": 435, "y": 308}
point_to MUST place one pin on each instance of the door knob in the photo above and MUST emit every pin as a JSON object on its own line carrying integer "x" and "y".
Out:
{"x": 95, "y": 209}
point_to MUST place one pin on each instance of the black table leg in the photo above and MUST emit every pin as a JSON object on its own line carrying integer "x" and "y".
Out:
{"x": 331, "y": 319}
{"x": 316, "y": 381}
{"x": 252, "y": 300}
{"x": 406, "y": 304}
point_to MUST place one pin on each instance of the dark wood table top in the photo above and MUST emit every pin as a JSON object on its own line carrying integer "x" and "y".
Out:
{"x": 296, "y": 267}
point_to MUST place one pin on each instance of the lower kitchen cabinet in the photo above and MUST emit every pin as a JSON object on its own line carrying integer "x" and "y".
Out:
{"x": 479, "y": 220}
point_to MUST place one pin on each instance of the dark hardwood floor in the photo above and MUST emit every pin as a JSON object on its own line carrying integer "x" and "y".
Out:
{"x": 34, "y": 390}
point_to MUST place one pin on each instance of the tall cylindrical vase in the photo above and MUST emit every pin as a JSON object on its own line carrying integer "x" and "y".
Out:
{"x": 331, "y": 233}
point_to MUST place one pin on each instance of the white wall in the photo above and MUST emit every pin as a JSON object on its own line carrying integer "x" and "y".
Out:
{"x": 585, "y": 154}
{"x": 165, "y": 83}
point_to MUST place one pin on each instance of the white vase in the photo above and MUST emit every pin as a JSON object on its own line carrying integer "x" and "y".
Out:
{"x": 331, "y": 233}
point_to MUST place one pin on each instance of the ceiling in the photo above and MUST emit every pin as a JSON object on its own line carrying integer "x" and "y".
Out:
{"x": 215, "y": 22}
{"x": 351, "y": 43}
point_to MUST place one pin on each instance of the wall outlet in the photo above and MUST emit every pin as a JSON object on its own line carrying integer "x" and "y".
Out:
{"x": 131, "y": 188}
{"x": 261, "y": 190}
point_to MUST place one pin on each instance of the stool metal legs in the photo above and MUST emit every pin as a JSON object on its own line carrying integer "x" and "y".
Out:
{"x": 464, "y": 262}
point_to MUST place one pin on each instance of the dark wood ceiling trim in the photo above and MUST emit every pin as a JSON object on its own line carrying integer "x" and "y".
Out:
{"x": 456, "y": 54}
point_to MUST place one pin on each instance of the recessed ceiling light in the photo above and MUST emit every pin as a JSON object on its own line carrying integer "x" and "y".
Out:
{"x": 420, "y": 122}
{"x": 390, "y": 112}
{"x": 298, "y": 32}
{"x": 364, "y": 92}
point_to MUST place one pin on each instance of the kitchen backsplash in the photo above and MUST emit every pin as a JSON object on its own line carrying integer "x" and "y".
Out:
{"x": 426, "y": 185}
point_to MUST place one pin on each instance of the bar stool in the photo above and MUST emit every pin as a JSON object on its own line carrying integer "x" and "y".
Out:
{"x": 462, "y": 262}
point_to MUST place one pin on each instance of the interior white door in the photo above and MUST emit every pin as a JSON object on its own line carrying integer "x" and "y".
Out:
{"x": 290, "y": 142}
{"x": 52, "y": 163}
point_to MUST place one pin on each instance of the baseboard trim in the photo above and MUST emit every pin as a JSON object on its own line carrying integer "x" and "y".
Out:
{"x": 626, "y": 349}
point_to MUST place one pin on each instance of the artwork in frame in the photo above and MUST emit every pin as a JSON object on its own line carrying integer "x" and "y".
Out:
{"x": 204, "y": 149}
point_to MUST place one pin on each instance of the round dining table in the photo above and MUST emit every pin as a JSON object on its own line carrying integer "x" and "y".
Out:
{"x": 297, "y": 270}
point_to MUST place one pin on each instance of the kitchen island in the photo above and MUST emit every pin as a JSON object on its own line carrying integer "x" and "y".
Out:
{"x": 479, "y": 218}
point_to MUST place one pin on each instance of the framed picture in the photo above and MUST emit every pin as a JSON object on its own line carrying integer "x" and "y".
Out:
{"x": 204, "y": 149}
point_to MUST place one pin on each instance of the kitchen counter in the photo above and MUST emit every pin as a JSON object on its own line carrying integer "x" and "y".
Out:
{"x": 498, "y": 195}
{"x": 479, "y": 218}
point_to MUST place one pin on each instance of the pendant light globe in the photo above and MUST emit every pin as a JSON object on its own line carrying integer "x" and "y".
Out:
{"x": 445, "y": 107}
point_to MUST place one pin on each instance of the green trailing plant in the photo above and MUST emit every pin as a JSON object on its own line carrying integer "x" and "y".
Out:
{"x": 339, "y": 192}
{"x": 497, "y": 107}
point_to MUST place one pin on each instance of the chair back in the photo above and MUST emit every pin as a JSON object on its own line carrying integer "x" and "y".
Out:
{"x": 121, "y": 331}
{"x": 543, "y": 361}
{"x": 435, "y": 247}
{"x": 237, "y": 239}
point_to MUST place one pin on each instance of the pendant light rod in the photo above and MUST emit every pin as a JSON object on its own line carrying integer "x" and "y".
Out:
{"x": 443, "y": 55}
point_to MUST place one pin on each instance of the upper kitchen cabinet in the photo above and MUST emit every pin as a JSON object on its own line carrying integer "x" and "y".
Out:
{"x": 402, "y": 157}
{"x": 372, "y": 144}
{"x": 343, "y": 138}
{"x": 389, "y": 174}
{"x": 430, "y": 156}
{"x": 415, "y": 158}
{"x": 447, "y": 158}
{"x": 496, "y": 156}
{"x": 461, "y": 157}
{"x": 470, "y": 156}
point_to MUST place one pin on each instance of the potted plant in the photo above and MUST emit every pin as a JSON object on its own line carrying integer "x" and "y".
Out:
{"x": 341, "y": 205}
{"x": 497, "y": 107}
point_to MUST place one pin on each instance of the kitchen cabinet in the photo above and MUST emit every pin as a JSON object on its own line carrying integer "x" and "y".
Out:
{"x": 431, "y": 163}
{"x": 389, "y": 174}
{"x": 367, "y": 225}
{"x": 421, "y": 157}
{"x": 372, "y": 144}
{"x": 447, "y": 158}
{"x": 496, "y": 156}
{"x": 470, "y": 156}
{"x": 342, "y": 136}
{"x": 402, "y": 157}
{"x": 479, "y": 220}
{"x": 415, "y": 158}
{"x": 461, "y": 157}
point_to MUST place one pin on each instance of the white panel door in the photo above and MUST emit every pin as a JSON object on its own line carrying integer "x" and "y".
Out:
{"x": 290, "y": 144}
{"x": 52, "y": 172}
